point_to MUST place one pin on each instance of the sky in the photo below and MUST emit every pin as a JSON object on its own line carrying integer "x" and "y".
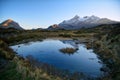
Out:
{"x": 31, "y": 14}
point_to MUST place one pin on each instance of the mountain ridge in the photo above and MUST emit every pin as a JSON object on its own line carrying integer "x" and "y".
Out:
{"x": 84, "y": 22}
{"x": 9, "y": 23}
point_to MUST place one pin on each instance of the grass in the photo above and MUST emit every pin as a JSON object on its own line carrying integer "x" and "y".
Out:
{"x": 5, "y": 51}
{"x": 68, "y": 50}
{"x": 9, "y": 72}
{"x": 107, "y": 47}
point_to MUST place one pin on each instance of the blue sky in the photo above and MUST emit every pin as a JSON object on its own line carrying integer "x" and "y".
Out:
{"x": 43, "y": 13}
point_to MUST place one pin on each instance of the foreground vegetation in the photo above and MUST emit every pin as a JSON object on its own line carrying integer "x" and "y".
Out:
{"x": 104, "y": 39}
{"x": 108, "y": 48}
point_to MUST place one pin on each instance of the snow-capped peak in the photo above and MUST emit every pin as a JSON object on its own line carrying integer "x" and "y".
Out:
{"x": 94, "y": 17}
{"x": 76, "y": 17}
{"x": 73, "y": 20}
{"x": 87, "y": 18}
{"x": 88, "y": 21}
{"x": 83, "y": 18}
{"x": 76, "y": 20}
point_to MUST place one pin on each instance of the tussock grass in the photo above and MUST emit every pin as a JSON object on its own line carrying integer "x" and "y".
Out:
{"x": 68, "y": 50}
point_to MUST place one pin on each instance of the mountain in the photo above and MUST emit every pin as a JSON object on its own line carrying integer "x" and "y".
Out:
{"x": 84, "y": 22}
{"x": 10, "y": 24}
{"x": 54, "y": 27}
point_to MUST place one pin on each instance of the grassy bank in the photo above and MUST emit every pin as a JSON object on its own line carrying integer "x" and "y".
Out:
{"x": 107, "y": 46}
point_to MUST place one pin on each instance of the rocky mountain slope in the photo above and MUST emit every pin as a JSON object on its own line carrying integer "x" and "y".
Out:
{"x": 10, "y": 24}
{"x": 84, "y": 22}
{"x": 55, "y": 27}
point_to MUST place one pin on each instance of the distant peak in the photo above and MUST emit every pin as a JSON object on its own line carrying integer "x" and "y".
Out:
{"x": 9, "y": 20}
{"x": 9, "y": 23}
{"x": 93, "y": 16}
{"x": 76, "y": 16}
{"x": 85, "y": 17}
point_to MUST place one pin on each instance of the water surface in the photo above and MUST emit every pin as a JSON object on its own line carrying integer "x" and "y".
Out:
{"x": 47, "y": 51}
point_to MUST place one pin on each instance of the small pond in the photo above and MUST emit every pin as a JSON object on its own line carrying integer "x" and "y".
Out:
{"x": 48, "y": 51}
